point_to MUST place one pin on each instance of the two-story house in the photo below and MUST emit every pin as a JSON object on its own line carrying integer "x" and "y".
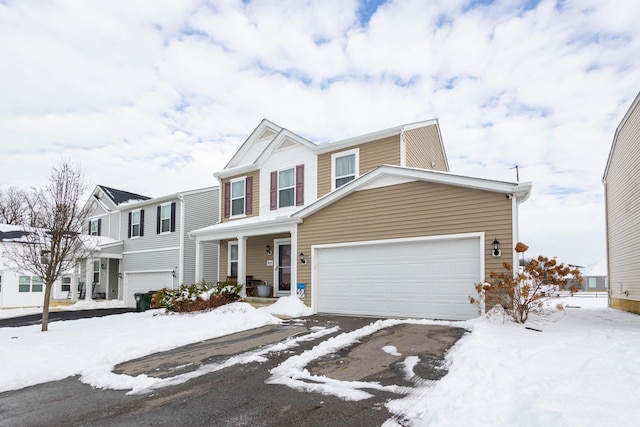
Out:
{"x": 150, "y": 247}
{"x": 370, "y": 225}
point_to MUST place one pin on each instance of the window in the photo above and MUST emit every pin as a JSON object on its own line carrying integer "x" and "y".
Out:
{"x": 24, "y": 284}
{"x": 36, "y": 284}
{"x": 233, "y": 259}
{"x": 66, "y": 284}
{"x": 286, "y": 188}
{"x": 136, "y": 223}
{"x": 96, "y": 271}
{"x": 344, "y": 167}
{"x": 94, "y": 227}
{"x": 29, "y": 284}
{"x": 166, "y": 219}
{"x": 237, "y": 197}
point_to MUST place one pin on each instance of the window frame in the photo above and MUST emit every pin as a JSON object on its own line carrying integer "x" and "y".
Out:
{"x": 96, "y": 223}
{"x": 243, "y": 182}
{"x": 163, "y": 218}
{"x": 36, "y": 282}
{"x": 356, "y": 159}
{"x": 231, "y": 261}
{"x": 133, "y": 223}
{"x": 97, "y": 265}
{"x": 291, "y": 187}
{"x": 63, "y": 284}
{"x": 24, "y": 287}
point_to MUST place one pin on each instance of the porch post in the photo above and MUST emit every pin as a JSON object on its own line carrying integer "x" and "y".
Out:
{"x": 75, "y": 279}
{"x": 199, "y": 261}
{"x": 88, "y": 283}
{"x": 242, "y": 263}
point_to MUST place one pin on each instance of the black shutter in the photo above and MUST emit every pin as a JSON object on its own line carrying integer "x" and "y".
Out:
{"x": 141, "y": 222}
{"x": 173, "y": 217}
{"x": 158, "y": 220}
{"x": 129, "y": 228}
{"x": 99, "y": 227}
{"x": 299, "y": 185}
{"x": 89, "y": 229}
{"x": 227, "y": 199}
{"x": 248, "y": 195}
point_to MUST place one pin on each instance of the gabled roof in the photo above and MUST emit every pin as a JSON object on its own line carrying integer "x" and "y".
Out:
{"x": 119, "y": 197}
{"x": 634, "y": 104}
{"x": 12, "y": 233}
{"x": 254, "y": 144}
{"x": 388, "y": 175}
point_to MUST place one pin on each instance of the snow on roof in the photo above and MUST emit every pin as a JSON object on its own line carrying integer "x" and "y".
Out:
{"x": 597, "y": 269}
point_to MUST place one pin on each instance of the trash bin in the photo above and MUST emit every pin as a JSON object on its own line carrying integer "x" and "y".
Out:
{"x": 143, "y": 301}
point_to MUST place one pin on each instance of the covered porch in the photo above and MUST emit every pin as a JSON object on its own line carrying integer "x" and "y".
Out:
{"x": 253, "y": 253}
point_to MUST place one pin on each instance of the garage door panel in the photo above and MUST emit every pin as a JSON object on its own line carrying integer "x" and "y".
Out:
{"x": 145, "y": 282}
{"x": 426, "y": 278}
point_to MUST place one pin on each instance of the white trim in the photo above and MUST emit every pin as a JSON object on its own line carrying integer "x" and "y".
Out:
{"x": 293, "y": 205}
{"x": 130, "y": 231}
{"x": 480, "y": 235}
{"x": 182, "y": 239}
{"x": 142, "y": 251}
{"x": 162, "y": 205}
{"x": 244, "y": 197}
{"x": 514, "y": 237}
{"x": 229, "y": 244}
{"x": 335, "y": 156}
{"x": 276, "y": 253}
{"x": 403, "y": 150}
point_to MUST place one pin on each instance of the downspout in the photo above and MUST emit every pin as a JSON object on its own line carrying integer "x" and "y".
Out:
{"x": 182, "y": 237}
{"x": 515, "y": 235}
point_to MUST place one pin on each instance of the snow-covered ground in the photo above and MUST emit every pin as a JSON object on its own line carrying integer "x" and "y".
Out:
{"x": 581, "y": 368}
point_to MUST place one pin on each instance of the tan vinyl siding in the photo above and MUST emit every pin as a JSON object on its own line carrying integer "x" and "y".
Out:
{"x": 384, "y": 151}
{"x": 409, "y": 210}
{"x": 256, "y": 257}
{"x": 623, "y": 215}
{"x": 424, "y": 149}
{"x": 255, "y": 194}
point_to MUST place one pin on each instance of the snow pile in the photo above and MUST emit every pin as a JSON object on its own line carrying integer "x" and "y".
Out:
{"x": 289, "y": 306}
{"x": 94, "y": 346}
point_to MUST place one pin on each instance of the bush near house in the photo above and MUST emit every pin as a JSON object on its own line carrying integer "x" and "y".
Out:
{"x": 196, "y": 297}
{"x": 528, "y": 291}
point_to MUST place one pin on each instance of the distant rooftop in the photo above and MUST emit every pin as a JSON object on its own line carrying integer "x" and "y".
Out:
{"x": 120, "y": 196}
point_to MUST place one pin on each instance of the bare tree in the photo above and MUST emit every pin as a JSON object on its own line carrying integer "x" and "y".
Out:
{"x": 53, "y": 244}
{"x": 13, "y": 206}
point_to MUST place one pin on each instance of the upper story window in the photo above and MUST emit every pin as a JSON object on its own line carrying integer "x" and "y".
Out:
{"x": 166, "y": 219}
{"x": 136, "y": 223}
{"x": 94, "y": 227}
{"x": 344, "y": 168}
{"x": 287, "y": 188}
{"x": 238, "y": 199}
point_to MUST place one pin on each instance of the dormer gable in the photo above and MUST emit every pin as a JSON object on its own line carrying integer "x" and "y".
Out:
{"x": 254, "y": 145}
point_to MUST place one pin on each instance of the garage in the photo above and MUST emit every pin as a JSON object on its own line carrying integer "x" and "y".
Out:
{"x": 144, "y": 282}
{"x": 423, "y": 277}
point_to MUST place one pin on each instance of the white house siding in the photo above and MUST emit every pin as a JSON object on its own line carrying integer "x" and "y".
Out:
{"x": 286, "y": 158}
{"x": 201, "y": 210}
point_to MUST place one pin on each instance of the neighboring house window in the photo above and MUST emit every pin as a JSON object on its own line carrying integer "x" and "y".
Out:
{"x": 66, "y": 284}
{"x": 24, "y": 284}
{"x": 344, "y": 167}
{"x": 96, "y": 271}
{"x": 29, "y": 284}
{"x": 136, "y": 223}
{"x": 238, "y": 197}
{"x": 233, "y": 259}
{"x": 592, "y": 282}
{"x": 94, "y": 227}
{"x": 287, "y": 188}
{"x": 166, "y": 221}
{"x": 36, "y": 284}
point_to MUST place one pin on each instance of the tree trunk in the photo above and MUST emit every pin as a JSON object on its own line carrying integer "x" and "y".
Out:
{"x": 45, "y": 307}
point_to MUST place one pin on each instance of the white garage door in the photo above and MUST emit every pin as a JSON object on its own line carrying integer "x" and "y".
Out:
{"x": 144, "y": 282}
{"x": 424, "y": 278}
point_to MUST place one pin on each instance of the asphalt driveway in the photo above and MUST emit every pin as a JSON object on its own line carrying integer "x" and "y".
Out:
{"x": 312, "y": 371}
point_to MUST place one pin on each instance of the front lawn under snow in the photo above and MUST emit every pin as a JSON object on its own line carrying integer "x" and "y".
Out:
{"x": 582, "y": 369}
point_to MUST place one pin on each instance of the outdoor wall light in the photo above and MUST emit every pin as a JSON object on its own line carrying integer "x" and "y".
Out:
{"x": 44, "y": 257}
{"x": 174, "y": 273}
{"x": 269, "y": 250}
{"x": 102, "y": 266}
{"x": 303, "y": 261}
{"x": 496, "y": 248}
{"x": 120, "y": 275}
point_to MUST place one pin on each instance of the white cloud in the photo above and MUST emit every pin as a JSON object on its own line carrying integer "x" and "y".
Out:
{"x": 155, "y": 99}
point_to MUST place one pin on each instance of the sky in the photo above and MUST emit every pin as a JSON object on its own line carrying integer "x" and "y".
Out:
{"x": 577, "y": 368}
{"x": 155, "y": 99}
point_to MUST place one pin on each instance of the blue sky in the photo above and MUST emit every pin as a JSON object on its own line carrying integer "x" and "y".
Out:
{"x": 153, "y": 100}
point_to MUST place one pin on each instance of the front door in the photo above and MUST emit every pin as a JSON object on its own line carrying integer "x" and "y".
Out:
{"x": 283, "y": 267}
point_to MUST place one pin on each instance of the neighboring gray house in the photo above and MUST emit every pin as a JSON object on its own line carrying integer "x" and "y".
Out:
{"x": 152, "y": 248}
{"x": 595, "y": 277}
{"x": 621, "y": 184}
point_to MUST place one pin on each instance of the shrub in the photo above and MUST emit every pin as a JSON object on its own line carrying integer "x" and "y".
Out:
{"x": 528, "y": 291}
{"x": 196, "y": 296}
